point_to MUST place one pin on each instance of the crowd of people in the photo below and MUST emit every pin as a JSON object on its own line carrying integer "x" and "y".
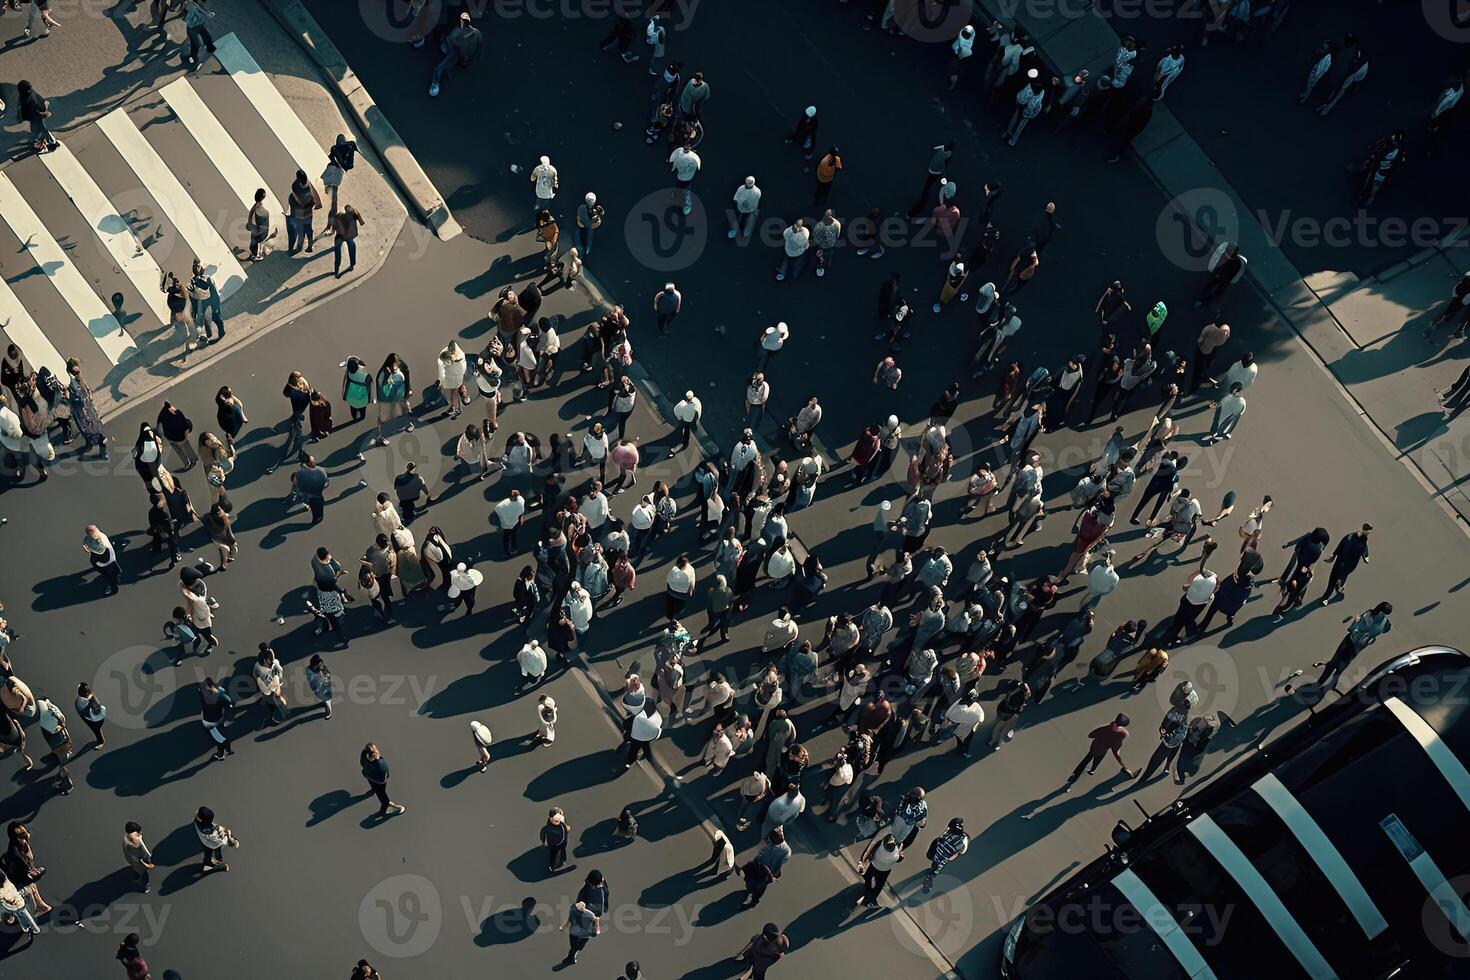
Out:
{"x": 904, "y": 660}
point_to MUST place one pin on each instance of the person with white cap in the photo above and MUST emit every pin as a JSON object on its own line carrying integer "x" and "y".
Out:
{"x": 462, "y": 584}
{"x": 687, "y": 412}
{"x": 961, "y": 48}
{"x": 1029, "y": 102}
{"x": 742, "y": 454}
{"x": 882, "y": 534}
{"x": 460, "y": 47}
{"x": 747, "y": 206}
{"x": 589, "y": 219}
{"x": 804, "y": 133}
{"x": 772, "y": 339}
{"x": 532, "y": 661}
{"x": 544, "y": 176}
{"x": 483, "y": 738}
{"x": 667, "y": 303}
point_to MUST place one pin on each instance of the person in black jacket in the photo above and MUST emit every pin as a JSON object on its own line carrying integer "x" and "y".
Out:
{"x": 1350, "y": 551}
{"x": 375, "y": 771}
{"x": 1306, "y": 551}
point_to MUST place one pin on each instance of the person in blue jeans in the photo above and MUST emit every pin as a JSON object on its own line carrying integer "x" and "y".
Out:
{"x": 196, "y": 24}
{"x": 304, "y": 200}
{"x": 298, "y": 393}
{"x": 344, "y": 226}
{"x": 33, "y": 109}
{"x": 204, "y": 302}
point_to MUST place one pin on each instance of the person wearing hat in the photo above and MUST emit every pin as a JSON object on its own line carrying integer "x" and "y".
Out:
{"x": 961, "y": 48}
{"x": 827, "y": 168}
{"x": 1350, "y": 551}
{"x": 667, "y": 303}
{"x": 764, "y": 951}
{"x": 771, "y": 341}
{"x": 747, "y": 206}
{"x": 944, "y": 849}
{"x": 804, "y": 133}
{"x": 1029, "y": 103}
{"x": 589, "y": 219}
{"x": 462, "y": 584}
{"x": 687, "y": 412}
{"x": 460, "y": 47}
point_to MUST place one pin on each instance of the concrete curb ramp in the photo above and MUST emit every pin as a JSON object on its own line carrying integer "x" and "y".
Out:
{"x": 411, "y": 178}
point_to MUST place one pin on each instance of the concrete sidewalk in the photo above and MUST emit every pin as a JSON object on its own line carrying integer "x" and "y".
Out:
{"x": 114, "y": 62}
{"x": 1367, "y": 335}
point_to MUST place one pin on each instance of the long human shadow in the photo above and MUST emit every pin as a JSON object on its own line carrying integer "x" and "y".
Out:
{"x": 331, "y": 803}
{"x": 530, "y": 866}
{"x": 584, "y": 772}
{"x": 509, "y": 925}
{"x": 94, "y": 897}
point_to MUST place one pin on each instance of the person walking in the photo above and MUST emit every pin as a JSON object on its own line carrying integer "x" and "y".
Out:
{"x": 590, "y": 215}
{"x": 344, "y": 225}
{"x": 1172, "y": 731}
{"x": 685, "y": 164}
{"x": 319, "y": 678}
{"x": 747, "y": 207}
{"x": 269, "y": 677}
{"x": 1363, "y": 631}
{"x": 667, "y": 304}
{"x": 1106, "y": 739}
{"x": 877, "y": 862}
{"x": 1228, "y": 411}
{"x": 938, "y": 161}
{"x": 581, "y": 927}
{"x": 1351, "y": 550}
{"x": 944, "y": 849}
{"x": 764, "y": 951}
{"x": 640, "y": 730}
{"x": 213, "y": 839}
{"x": 212, "y": 704}
{"x": 460, "y": 46}
{"x": 375, "y": 771}
{"x": 795, "y": 242}
{"x": 137, "y": 855}
{"x": 35, "y": 109}
{"x": 92, "y": 712}
{"x": 554, "y": 835}
{"x": 102, "y": 557}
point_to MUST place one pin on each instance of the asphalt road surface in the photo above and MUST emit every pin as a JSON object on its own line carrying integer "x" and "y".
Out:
{"x": 318, "y": 882}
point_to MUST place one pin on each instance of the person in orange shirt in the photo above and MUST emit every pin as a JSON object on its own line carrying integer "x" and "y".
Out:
{"x": 827, "y": 168}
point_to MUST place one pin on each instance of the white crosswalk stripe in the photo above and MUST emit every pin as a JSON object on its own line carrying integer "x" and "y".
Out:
{"x": 176, "y": 203}
{"x": 111, "y": 228}
{"x": 217, "y": 144}
{"x": 52, "y": 260}
{"x": 26, "y": 334}
{"x": 303, "y": 147}
{"x": 83, "y": 267}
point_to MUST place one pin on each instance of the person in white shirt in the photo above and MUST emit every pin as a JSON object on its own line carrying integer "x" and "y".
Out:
{"x": 771, "y": 341}
{"x": 796, "y": 239}
{"x": 1242, "y": 372}
{"x": 742, "y": 454}
{"x": 594, "y": 508}
{"x": 719, "y": 750}
{"x": 685, "y": 163}
{"x": 838, "y": 780}
{"x": 1102, "y": 579}
{"x": 578, "y": 608}
{"x": 1198, "y": 592}
{"x": 544, "y": 176}
{"x": 747, "y": 206}
{"x": 1169, "y": 68}
{"x": 509, "y": 514}
{"x": 757, "y": 393}
{"x": 640, "y": 523}
{"x": 679, "y": 587}
{"x": 686, "y": 412}
{"x": 594, "y": 449}
{"x": 642, "y": 729}
{"x": 532, "y": 661}
{"x": 966, "y": 715}
{"x": 1228, "y": 411}
{"x": 878, "y": 861}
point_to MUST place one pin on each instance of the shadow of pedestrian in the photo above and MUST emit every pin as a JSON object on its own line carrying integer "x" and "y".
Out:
{"x": 96, "y": 896}
{"x": 583, "y": 772}
{"x": 509, "y": 925}
{"x": 530, "y": 866}
{"x": 330, "y": 804}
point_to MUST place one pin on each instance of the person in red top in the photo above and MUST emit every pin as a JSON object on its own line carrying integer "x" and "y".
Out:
{"x": 1108, "y": 738}
{"x": 131, "y": 958}
{"x": 864, "y": 454}
{"x": 876, "y": 714}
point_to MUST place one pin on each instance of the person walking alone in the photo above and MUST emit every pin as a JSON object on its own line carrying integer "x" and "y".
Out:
{"x": 375, "y": 771}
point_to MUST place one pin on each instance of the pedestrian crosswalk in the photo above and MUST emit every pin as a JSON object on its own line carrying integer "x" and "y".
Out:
{"x": 88, "y": 231}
